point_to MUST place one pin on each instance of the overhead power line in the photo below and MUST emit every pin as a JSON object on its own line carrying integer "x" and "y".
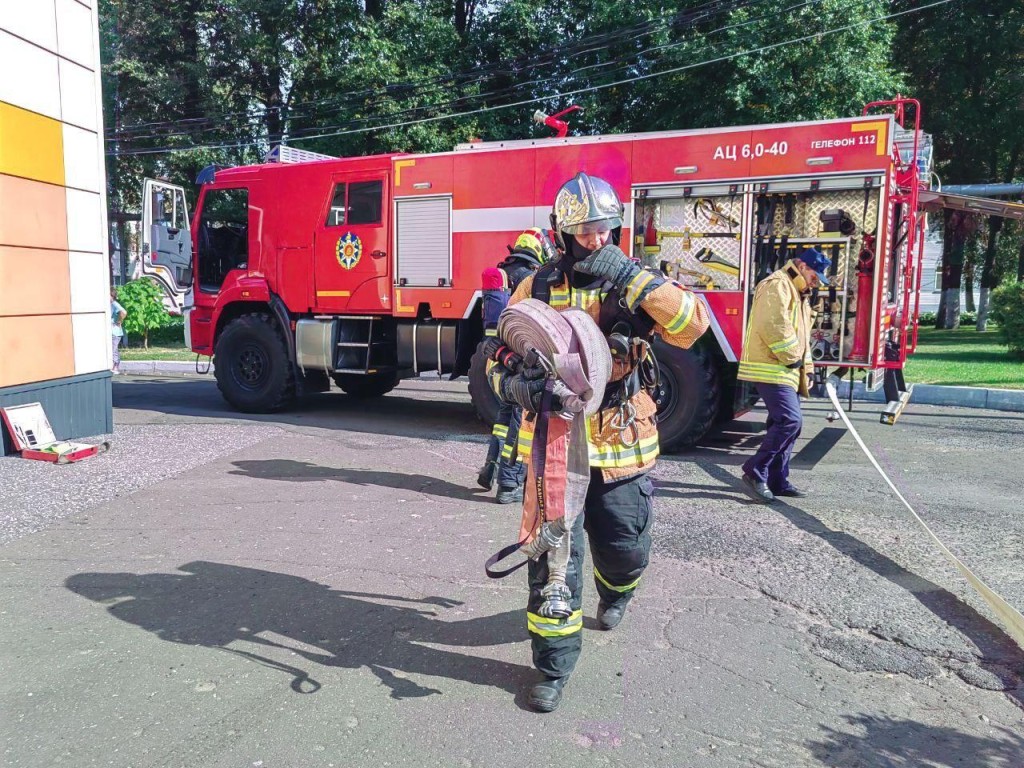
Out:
{"x": 527, "y": 62}
{"x": 559, "y": 78}
{"x": 561, "y": 95}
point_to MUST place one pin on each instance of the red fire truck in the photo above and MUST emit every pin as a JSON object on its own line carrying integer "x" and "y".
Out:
{"x": 366, "y": 270}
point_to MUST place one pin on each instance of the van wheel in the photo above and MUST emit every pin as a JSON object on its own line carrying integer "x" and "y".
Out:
{"x": 251, "y": 365}
{"x": 688, "y": 396}
{"x": 366, "y": 386}
{"x": 485, "y": 402}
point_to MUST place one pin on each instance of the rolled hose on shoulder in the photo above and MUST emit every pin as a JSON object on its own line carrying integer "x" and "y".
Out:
{"x": 576, "y": 352}
{"x": 571, "y": 344}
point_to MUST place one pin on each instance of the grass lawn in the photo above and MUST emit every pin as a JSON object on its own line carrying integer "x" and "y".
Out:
{"x": 963, "y": 358}
{"x": 155, "y": 352}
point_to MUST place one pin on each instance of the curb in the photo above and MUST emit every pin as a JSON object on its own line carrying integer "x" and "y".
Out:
{"x": 940, "y": 394}
{"x": 924, "y": 394}
{"x": 163, "y": 368}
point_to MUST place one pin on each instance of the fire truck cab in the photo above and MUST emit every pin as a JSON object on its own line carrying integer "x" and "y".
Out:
{"x": 365, "y": 270}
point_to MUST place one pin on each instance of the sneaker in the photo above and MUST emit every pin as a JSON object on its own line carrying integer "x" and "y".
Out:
{"x": 792, "y": 491}
{"x": 509, "y": 495}
{"x": 757, "y": 490}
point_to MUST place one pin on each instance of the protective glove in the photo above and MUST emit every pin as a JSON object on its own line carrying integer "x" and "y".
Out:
{"x": 491, "y": 345}
{"x": 494, "y": 349}
{"x": 611, "y": 264}
{"x": 526, "y": 389}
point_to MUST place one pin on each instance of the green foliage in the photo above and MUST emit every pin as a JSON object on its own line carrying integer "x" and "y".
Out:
{"x": 220, "y": 81}
{"x": 143, "y": 302}
{"x": 1008, "y": 313}
{"x": 928, "y": 318}
{"x": 963, "y": 60}
{"x": 170, "y": 334}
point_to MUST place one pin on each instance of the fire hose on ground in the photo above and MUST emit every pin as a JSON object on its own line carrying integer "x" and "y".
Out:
{"x": 572, "y": 349}
{"x": 1010, "y": 617}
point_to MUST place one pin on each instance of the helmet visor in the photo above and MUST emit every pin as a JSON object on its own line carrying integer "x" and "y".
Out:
{"x": 591, "y": 227}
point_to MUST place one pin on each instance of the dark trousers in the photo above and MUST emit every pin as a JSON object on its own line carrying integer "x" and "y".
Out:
{"x": 771, "y": 462}
{"x": 617, "y": 519}
{"x": 505, "y": 451}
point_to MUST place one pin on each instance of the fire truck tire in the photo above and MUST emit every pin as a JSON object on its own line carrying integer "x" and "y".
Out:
{"x": 366, "y": 387}
{"x": 688, "y": 397}
{"x": 251, "y": 365}
{"x": 485, "y": 402}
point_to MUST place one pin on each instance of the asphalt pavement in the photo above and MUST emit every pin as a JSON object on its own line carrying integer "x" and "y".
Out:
{"x": 307, "y": 589}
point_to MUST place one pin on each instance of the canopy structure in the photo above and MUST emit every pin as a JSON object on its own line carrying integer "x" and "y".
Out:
{"x": 932, "y": 200}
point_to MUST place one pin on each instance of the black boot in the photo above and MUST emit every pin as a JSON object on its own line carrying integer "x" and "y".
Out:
{"x": 609, "y": 616}
{"x": 546, "y": 695}
{"x": 485, "y": 479}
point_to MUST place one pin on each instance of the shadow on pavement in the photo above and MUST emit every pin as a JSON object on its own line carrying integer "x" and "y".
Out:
{"x": 400, "y": 412}
{"x": 907, "y": 744}
{"x": 999, "y": 653}
{"x": 304, "y": 472}
{"x": 229, "y": 607}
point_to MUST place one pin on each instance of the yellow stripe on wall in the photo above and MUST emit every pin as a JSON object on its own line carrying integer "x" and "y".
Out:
{"x": 31, "y": 145}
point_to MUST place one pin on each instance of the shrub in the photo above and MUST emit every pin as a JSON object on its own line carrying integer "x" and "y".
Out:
{"x": 143, "y": 302}
{"x": 1007, "y": 309}
{"x": 928, "y": 318}
{"x": 170, "y": 335}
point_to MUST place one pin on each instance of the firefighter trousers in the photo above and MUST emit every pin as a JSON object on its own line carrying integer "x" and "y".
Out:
{"x": 617, "y": 518}
{"x": 771, "y": 462}
{"x": 503, "y": 447}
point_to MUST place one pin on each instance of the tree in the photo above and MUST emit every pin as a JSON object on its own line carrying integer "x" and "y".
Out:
{"x": 144, "y": 307}
{"x": 989, "y": 278}
{"x": 964, "y": 60}
{"x": 958, "y": 227}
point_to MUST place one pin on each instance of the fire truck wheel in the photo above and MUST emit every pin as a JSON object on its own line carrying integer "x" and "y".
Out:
{"x": 366, "y": 387}
{"x": 485, "y": 402}
{"x": 251, "y": 365}
{"x": 688, "y": 397}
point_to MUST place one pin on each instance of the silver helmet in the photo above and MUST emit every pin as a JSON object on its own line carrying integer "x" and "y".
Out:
{"x": 586, "y": 204}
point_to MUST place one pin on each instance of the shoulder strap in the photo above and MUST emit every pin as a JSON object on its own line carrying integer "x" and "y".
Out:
{"x": 544, "y": 280}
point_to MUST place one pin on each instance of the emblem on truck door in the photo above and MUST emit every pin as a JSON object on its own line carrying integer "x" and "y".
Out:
{"x": 348, "y": 250}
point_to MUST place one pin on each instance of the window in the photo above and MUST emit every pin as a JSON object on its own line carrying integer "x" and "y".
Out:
{"x": 364, "y": 202}
{"x": 362, "y": 207}
{"x": 336, "y": 216}
{"x": 223, "y": 235}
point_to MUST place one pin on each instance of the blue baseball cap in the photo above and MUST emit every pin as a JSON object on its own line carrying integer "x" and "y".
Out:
{"x": 817, "y": 261}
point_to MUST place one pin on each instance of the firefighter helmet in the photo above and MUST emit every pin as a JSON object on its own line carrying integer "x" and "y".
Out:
{"x": 587, "y": 204}
{"x": 534, "y": 246}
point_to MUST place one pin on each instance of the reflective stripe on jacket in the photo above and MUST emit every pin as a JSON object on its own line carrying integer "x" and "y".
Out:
{"x": 680, "y": 318}
{"x": 778, "y": 332}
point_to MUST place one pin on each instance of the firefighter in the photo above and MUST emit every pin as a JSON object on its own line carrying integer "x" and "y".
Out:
{"x": 630, "y": 305}
{"x": 777, "y": 359}
{"x": 532, "y": 249}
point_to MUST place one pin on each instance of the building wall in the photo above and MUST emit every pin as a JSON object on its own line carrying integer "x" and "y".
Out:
{"x": 54, "y": 270}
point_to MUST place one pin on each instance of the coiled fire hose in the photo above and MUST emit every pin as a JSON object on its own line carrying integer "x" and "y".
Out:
{"x": 1011, "y": 618}
{"x": 575, "y": 353}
